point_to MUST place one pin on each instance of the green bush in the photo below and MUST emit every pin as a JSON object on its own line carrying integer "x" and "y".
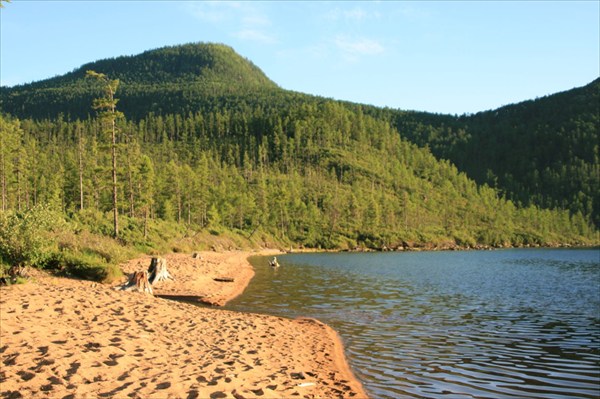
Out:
{"x": 464, "y": 239}
{"x": 95, "y": 221}
{"x": 26, "y": 237}
{"x": 90, "y": 267}
{"x": 3, "y": 268}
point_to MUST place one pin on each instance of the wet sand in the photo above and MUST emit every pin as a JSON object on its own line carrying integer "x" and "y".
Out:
{"x": 64, "y": 338}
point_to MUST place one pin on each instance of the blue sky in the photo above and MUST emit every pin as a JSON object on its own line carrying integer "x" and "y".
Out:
{"x": 444, "y": 56}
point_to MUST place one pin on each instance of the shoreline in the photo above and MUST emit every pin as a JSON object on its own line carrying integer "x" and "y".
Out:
{"x": 195, "y": 276}
{"x": 76, "y": 339}
{"x": 431, "y": 247}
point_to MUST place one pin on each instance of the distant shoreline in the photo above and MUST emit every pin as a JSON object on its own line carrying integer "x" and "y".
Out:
{"x": 425, "y": 247}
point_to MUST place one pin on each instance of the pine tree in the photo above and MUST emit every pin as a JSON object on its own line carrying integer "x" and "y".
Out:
{"x": 107, "y": 105}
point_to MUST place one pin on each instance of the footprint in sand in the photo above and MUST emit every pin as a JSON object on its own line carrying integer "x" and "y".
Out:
{"x": 201, "y": 379}
{"x": 10, "y": 360}
{"x": 214, "y": 381}
{"x": 55, "y": 380}
{"x": 25, "y": 375}
{"x": 163, "y": 385}
{"x": 110, "y": 362}
{"x": 43, "y": 349}
{"x": 44, "y": 362}
{"x": 73, "y": 369}
{"x": 92, "y": 346}
{"x": 193, "y": 394}
{"x": 46, "y": 388}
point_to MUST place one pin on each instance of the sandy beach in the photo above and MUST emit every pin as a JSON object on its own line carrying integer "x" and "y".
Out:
{"x": 66, "y": 338}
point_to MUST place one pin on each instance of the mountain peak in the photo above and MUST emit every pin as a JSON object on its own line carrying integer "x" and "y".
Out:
{"x": 190, "y": 63}
{"x": 150, "y": 82}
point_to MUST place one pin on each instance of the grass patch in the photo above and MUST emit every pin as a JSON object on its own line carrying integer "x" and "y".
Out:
{"x": 89, "y": 266}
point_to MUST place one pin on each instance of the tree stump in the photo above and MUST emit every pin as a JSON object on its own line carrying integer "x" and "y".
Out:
{"x": 138, "y": 281}
{"x": 158, "y": 271}
{"x": 18, "y": 271}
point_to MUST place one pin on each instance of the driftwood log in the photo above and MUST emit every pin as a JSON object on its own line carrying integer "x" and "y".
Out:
{"x": 158, "y": 271}
{"x": 224, "y": 279}
{"x": 138, "y": 281}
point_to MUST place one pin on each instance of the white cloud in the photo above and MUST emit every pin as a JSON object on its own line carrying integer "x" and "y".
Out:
{"x": 256, "y": 20}
{"x": 356, "y": 14}
{"x": 353, "y": 48}
{"x": 254, "y": 35}
{"x": 213, "y": 11}
{"x": 352, "y": 15}
{"x": 411, "y": 12}
{"x": 243, "y": 20}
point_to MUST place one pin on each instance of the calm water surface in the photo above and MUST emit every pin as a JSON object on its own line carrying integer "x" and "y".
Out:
{"x": 501, "y": 324}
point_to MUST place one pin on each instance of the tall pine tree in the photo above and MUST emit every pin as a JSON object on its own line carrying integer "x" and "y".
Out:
{"x": 108, "y": 114}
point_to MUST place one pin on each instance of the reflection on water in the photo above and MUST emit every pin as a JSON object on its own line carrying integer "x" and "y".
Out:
{"x": 501, "y": 324}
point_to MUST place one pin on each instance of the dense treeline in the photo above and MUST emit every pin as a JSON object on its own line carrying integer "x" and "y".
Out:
{"x": 543, "y": 152}
{"x": 209, "y": 141}
{"x": 315, "y": 174}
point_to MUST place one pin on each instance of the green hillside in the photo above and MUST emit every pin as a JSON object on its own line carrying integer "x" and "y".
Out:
{"x": 167, "y": 80}
{"x": 209, "y": 150}
{"x": 543, "y": 152}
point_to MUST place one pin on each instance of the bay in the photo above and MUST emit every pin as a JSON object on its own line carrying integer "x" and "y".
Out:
{"x": 519, "y": 323}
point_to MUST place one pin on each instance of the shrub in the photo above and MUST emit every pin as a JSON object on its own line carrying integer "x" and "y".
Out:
{"x": 26, "y": 237}
{"x": 464, "y": 239}
{"x": 3, "y": 268}
{"x": 90, "y": 267}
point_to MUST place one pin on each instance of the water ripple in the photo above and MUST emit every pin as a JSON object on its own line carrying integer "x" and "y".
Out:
{"x": 503, "y": 324}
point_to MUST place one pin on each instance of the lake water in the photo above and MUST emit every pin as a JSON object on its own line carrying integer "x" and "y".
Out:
{"x": 487, "y": 324}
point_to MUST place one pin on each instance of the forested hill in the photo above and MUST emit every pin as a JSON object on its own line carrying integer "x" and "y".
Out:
{"x": 218, "y": 146}
{"x": 174, "y": 79}
{"x": 542, "y": 151}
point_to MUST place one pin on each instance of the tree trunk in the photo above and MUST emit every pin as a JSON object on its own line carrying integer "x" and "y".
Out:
{"x": 158, "y": 271}
{"x": 189, "y": 212}
{"x": 18, "y": 175}
{"x": 80, "y": 156}
{"x": 146, "y": 222}
{"x": 138, "y": 281}
{"x": 3, "y": 171}
{"x": 114, "y": 179}
{"x": 131, "y": 190}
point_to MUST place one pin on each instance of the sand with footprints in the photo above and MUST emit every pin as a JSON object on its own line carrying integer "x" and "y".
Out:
{"x": 65, "y": 338}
